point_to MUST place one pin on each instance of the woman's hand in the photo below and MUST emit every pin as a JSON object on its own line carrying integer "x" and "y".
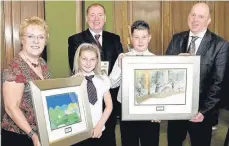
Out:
{"x": 97, "y": 132}
{"x": 35, "y": 140}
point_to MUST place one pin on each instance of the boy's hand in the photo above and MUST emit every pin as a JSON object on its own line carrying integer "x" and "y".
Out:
{"x": 120, "y": 56}
{"x": 156, "y": 121}
{"x": 197, "y": 118}
{"x": 184, "y": 54}
{"x": 97, "y": 132}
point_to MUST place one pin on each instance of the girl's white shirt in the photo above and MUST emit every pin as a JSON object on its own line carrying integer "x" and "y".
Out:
{"x": 102, "y": 85}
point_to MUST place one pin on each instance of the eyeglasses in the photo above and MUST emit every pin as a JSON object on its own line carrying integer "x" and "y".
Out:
{"x": 33, "y": 37}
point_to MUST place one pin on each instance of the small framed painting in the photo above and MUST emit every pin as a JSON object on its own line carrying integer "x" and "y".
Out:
{"x": 62, "y": 111}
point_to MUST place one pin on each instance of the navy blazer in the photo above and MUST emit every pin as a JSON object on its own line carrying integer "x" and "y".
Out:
{"x": 111, "y": 46}
{"x": 214, "y": 52}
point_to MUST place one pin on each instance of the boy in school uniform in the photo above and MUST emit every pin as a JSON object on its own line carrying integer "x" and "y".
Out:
{"x": 133, "y": 131}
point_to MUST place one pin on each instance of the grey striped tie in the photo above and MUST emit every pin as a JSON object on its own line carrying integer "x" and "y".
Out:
{"x": 192, "y": 46}
{"x": 91, "y": 90}
{"x": 97, "y": 36}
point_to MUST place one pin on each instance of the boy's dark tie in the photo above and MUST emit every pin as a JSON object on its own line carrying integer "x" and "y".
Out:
{"x": 192, "y": 46}
{"x": 91, "y": 90}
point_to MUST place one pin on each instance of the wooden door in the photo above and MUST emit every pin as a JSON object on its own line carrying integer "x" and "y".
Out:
{"x": 14, "y": 13}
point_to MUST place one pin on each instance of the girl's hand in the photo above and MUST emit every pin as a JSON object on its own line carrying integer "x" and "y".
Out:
{"x": 79, "y": 74}
{"x": 97, "y": 132}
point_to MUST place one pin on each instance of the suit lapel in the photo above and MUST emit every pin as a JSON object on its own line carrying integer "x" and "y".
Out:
{"x": 205, "y": 44}
{"x": 89, "y": 37}
{"x": 105, "y": 41}
{"x": 184, "y": 44}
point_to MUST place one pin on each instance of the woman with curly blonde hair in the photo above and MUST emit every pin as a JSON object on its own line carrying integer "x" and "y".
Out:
{"x": 19, "y": 123}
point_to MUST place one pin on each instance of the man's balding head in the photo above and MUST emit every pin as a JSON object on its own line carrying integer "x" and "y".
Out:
{"x": 199, "y": 18}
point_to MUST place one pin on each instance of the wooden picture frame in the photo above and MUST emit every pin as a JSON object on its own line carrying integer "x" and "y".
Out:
{"x": 62, "y": 111}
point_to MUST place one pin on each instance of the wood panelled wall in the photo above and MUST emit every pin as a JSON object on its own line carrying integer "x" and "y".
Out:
{"x": 14, "y": 13}
{"x": 165, "y": 19}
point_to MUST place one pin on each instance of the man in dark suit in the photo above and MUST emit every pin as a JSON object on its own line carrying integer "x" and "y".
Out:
{"x": 110, "y": 46}
{"x": 214, "y": 59}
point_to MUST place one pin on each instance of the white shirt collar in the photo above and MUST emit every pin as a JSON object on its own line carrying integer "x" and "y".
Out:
{"x": 88, "y": 74}
{"x": 200, "y": 35}
{"x": 93, "y": 33}
{"x": 134, "y": 52}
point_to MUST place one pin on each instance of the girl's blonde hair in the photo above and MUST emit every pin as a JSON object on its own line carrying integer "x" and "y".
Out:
{"x": 34, "y": 20}
{"x": 87, "y": 47}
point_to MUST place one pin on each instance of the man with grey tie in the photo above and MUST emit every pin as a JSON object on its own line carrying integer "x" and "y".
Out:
{"x": 214, "y": 52}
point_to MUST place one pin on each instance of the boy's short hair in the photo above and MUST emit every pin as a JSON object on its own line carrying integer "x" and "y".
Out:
{"x": 140, "y": 25}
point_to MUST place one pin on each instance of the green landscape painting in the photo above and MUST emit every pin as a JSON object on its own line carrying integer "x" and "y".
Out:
{"x": 63, "y": 110}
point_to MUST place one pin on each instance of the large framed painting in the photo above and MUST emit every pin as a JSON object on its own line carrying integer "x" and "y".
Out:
{"x": 160, "y": 87}
{"x": 62, "y": 111}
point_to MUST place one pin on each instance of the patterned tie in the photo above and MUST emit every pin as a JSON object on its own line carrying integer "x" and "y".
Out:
{"x": 99, "y": 45}
{"x": 91, "y": 90}
{"x": 192, "y": 46}
{"x": 97, "y": 41}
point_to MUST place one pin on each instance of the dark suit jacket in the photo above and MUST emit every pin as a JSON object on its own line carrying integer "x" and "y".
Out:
{"x": 214, "y": 52}
{"x": 111, "y": 46}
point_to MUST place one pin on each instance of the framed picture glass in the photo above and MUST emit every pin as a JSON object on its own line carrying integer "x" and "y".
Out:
{"x": 105, "y": 67}
{"x": 160, "y": 87}
{"x": 62, "y": 111}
